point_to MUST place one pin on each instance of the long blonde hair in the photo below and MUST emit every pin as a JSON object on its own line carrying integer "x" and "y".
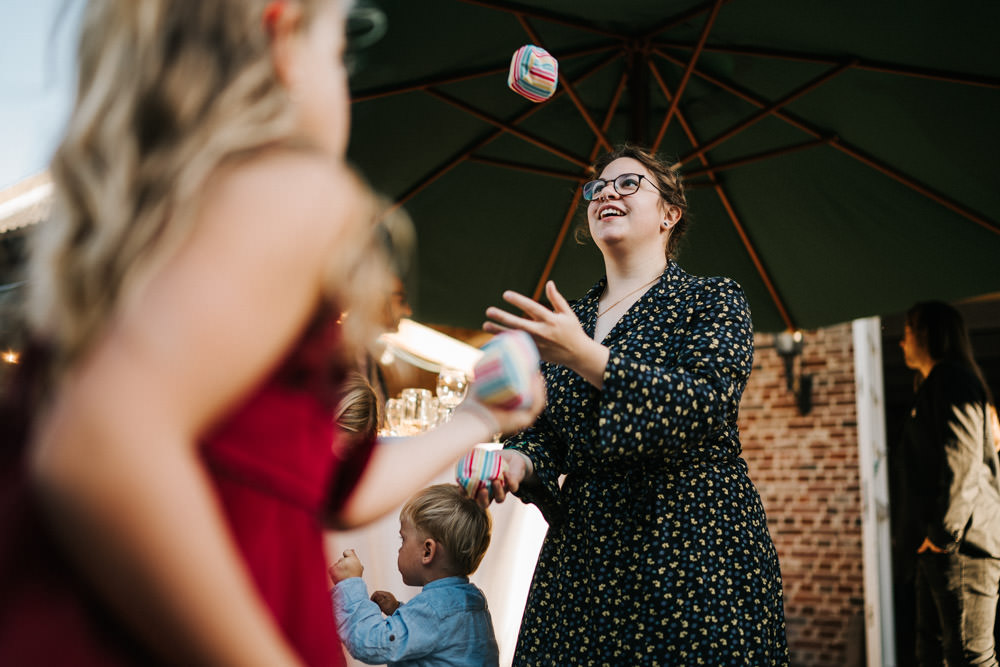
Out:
{"x": 168, "y": 92}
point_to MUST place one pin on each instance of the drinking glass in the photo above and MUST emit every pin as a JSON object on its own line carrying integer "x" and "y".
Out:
{"x": 416, "y": 410}
{"x": 452, "y": 386}
{"x": 394, "y": 411}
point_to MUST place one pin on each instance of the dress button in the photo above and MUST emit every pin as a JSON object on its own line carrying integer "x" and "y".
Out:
{"x": 392, "y": 638}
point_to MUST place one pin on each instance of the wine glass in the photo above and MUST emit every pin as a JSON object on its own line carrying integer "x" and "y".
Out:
{"x": 452, "y": 386}
{"x": 394, "y": 411}
{"x": 416, "y": 410}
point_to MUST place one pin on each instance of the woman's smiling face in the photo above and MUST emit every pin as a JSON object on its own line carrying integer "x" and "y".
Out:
{"x": 634, "y": 218}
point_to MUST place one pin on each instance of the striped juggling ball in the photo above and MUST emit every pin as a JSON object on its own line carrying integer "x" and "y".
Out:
{"x": 504, "y": 373}
{"x": 534, "y": 73}
{"x": 478, "y": 469}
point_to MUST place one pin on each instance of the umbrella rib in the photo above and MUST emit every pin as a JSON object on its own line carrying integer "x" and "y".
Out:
{"x": 511, "y": 8}
{"x": 916, "y": 186}
{"x": 767, "y": 111}
{"x": 869, "y": 65}
{"x": 506, "y": 127}
{"x": 465, "y": 153}
{"x": 568, "y": 85}
{"x": 730, "y": 211}
{"x": 678, "y": 20}
{"x": 757, "y": 157}
{"x": 575, "y": 202}
{"x": 529, "y": 168}
{"x": 850, "y": 150}
{"x": 707, "y": 28}
{"x": 455, "y": 161}
{"x": 455, "y": 77}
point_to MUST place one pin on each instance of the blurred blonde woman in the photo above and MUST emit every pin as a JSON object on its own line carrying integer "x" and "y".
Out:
{"x": 168, "y": 469}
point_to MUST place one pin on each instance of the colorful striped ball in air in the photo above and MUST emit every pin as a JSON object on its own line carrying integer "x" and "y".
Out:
{"x": 477, "y": 470}
{"x": 504, "y": 374}
{"x": 534, "y": 73}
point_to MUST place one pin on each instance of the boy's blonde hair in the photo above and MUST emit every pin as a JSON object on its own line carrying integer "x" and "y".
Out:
{"x": 447, "y": 515}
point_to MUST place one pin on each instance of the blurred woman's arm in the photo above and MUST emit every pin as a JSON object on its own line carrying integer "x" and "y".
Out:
{"x": 399, "y": 467}
{"x": 116, "y": 460}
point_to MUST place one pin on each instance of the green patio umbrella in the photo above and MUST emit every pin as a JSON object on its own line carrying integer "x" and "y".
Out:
{"x": 842, "y": 157}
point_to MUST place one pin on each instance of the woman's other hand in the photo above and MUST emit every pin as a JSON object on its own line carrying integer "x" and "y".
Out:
{"x": 556, "y": 332}
{"x": 519, "y": 470}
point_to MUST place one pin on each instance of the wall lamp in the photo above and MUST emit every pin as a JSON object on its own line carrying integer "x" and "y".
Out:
{"x": 789, "y": 347}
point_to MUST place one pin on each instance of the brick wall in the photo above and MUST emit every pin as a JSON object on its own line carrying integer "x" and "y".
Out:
{"x": 806, "y": 468}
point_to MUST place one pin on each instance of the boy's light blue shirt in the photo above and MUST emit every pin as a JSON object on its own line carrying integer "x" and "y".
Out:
{"x": 447, "y": 623}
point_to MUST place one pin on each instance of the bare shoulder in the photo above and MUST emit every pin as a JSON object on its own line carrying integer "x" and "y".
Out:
{"x": 284, "y": 193}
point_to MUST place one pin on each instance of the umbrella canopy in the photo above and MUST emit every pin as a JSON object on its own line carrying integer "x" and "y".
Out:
{"x": 841, "y": 157}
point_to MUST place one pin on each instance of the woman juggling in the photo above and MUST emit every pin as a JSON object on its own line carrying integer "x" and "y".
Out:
{"x": 657, "y": 550}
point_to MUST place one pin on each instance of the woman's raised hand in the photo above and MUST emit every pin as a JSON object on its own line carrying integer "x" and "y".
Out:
{"x": 557, "y": 332}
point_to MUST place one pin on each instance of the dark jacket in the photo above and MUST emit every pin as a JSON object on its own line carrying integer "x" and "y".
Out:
{"x": 952, "y": 483}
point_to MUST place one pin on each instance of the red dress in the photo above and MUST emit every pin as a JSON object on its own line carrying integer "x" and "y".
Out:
{"x": 276, "y": 469}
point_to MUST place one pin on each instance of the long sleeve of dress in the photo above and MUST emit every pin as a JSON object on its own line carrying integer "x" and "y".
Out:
{"x": 675, "y": 375}
{"x": 543, "y": 446}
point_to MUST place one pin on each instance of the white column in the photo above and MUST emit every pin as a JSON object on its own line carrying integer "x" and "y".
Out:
{"x": 874, "y": 464}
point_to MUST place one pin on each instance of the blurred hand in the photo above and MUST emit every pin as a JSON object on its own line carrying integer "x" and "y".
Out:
{"x": 510, "y": 421}
{"x": 345, "y": 568}
{"x": 386, "y": 601}
{"x": 557, "y": 333}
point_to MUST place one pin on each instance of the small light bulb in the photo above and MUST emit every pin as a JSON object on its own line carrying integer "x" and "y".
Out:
{"x": 11, "y": 357}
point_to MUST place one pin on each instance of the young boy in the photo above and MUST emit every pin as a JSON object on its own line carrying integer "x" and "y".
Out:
{"x": 445, "y": 535}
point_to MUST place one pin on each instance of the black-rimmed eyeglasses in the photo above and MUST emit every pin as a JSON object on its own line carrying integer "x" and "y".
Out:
{"x": 624, "y": 185}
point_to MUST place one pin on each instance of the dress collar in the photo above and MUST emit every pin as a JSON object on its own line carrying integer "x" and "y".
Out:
{"x": 588, "y": 313}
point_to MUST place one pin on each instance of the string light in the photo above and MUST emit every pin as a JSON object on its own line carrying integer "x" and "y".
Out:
{"x": 11, "y": 357}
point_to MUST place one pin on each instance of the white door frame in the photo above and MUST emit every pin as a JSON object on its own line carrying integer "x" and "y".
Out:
{"x": 874, "y": 472}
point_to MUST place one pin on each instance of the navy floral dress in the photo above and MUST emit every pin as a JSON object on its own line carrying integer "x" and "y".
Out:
{"x": 658, "y": 551}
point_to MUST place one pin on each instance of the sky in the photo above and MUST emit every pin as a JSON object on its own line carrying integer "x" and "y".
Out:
{"x": 37, "y": 44}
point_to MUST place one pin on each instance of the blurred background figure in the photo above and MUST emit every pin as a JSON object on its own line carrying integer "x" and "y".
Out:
{"x": 374, "y": 365}
{"x": 399, "y": 238}
{"x": 951, "y": 491}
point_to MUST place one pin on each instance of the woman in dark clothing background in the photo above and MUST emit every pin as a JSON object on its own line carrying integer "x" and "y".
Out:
{"x": 951, "y": 492}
